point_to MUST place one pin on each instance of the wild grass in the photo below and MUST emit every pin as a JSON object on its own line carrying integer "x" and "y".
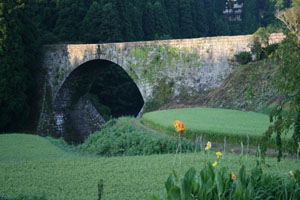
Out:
{"x": 32, "y": 165}
{"x": 118, "y": 137}
{"x": 213, "y": 123}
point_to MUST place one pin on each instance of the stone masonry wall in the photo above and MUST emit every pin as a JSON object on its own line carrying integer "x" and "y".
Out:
{"x": 194, "y": 65}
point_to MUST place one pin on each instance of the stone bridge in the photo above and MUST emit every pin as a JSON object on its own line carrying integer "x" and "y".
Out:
{"x": 193, "y": 65}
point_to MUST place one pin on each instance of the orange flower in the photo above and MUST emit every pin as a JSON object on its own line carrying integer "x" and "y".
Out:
{"x": 233, "y": 176}
{"x": 299, "y": 144}
{"x": 179, "y": 126}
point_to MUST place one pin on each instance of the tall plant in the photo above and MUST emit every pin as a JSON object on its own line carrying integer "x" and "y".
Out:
{"x": 220, "y": 184}
{"x": 286, "y": 115}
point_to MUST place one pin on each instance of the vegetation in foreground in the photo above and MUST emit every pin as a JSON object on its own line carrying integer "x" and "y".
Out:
{"x": 221, "y": 184}
{"x": 119, "y": 137}
{"x": 32, "y": 165}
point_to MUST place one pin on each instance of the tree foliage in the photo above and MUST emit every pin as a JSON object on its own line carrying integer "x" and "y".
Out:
{"x": 291, "y": 17}
{"x": 18, "y": 47}
{"x": 111, "y": 21}
{"x": 287, "y": 112}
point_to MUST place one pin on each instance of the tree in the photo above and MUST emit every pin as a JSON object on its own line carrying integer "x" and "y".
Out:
{"x": 91, "y": 24}
{"x": 291, "y": 17}
{"x": 124, "y": 9}
{"x": 199, "y": 19}
{"x": 70, "y": 15}
{"x": 250, "y": 17}
{"x": 18, "y": 46}
{"x": 148, "y": 22}
{"x": 211, "y": 16}
{"x": 268, "y": 15}
{"x": 287, "y": 112}
{"x": 280, "y": 4}
{"x": 45, "y": 15}
{"x": 286, "y": 115}
{"x": 172, "y": 9}
{"x": 187, "y": 29}
{"x": 135, "y": 14}
{"x": 162, "y": 27}
{"x": 110, "y": 28}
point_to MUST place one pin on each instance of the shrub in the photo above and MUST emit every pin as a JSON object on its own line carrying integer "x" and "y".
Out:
{"x": 243, "y": 57}
{"x": 256, "y": 48}
{"x": 219, "y": 184}
{"x": 120, "y": 137}
{"x": 269, "y": 50}
{"x": 151, "y": 105}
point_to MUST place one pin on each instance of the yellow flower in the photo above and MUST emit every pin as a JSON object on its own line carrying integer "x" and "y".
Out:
{"x": 291, "y": 174}
{"x": 233, "y": 176}
{"x": 179, "y": 126}
{"x": 215, "y": 164}
{"x": 219, "y": 154}
{"x": 208, "y": 146}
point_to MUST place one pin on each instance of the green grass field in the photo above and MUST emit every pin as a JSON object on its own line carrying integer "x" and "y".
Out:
{"x": 214, "y": 124}
{"x": 32, "y": 165}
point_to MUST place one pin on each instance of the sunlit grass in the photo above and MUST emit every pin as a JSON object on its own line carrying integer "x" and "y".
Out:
{"x": 213, "y": 123}
{"x": 33, "y": 165}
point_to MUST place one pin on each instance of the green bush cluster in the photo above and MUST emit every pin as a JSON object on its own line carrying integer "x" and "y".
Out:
{"x": 220, "y": 184}
{"x": 151, "y": 105}
{"x": 269, "y": 50}
{"x": 260, "y": 52}
{"x": 119, "y": 137}
{"x": 243, "y": 57}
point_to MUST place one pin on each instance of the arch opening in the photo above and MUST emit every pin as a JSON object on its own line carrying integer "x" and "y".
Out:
{"x": 93, "y": 93}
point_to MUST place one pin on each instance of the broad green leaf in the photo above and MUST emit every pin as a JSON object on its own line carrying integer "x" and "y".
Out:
{"x": 171, "y": 181}
{"x": 186, "y": 189}
{"x": 154, "y": 197}
{"x": 174, "y": 193}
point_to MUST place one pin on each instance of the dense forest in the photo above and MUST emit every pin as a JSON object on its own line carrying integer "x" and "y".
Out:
{"x": 92, "y": 21}
{"x": 27, "y": 24}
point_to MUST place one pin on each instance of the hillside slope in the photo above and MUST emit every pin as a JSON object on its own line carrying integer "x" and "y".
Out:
{"x": 247, "y": 88}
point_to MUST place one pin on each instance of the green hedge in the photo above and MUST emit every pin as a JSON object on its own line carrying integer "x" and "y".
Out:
{"x": 243, "y": 57}
{"x": 120, "y": 137}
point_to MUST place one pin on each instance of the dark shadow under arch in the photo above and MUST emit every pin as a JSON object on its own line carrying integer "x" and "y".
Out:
{"x": 96, "y": 86}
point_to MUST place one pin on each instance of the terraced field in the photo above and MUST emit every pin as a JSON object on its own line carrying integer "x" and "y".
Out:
{"x": 212, "y": 123}
{"x": 32, "y": 165}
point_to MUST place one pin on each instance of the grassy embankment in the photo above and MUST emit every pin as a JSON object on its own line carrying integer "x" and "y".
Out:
{"x": 214, "y": 124}
{"x": 32, "y": 165}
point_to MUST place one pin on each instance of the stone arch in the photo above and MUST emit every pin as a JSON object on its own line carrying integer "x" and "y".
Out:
{"x": 75, "y": 114}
